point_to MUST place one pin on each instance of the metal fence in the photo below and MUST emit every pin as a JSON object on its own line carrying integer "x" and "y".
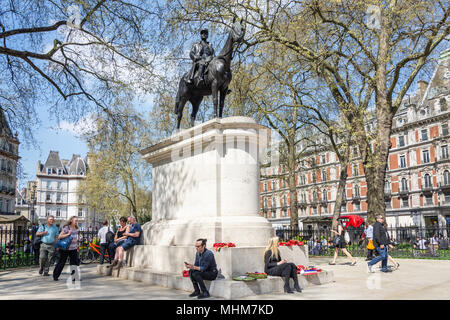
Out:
{"x": 408, "y": 242}
{"x": 16, "y": 249}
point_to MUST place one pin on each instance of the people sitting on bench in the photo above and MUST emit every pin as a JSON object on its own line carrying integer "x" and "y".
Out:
{"x": 133, "y": 235}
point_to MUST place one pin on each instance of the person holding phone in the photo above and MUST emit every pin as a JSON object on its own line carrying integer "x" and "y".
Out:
{"x": 204, "y": 268}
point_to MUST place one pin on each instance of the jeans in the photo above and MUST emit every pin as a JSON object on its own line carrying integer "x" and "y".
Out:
{"x": 383, "y": 257}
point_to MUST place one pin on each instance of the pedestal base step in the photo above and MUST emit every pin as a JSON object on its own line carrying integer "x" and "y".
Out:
{"x": 220, "y": 288}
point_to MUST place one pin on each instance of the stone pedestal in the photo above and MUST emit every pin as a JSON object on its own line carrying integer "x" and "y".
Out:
{"x": 206, "y": 185}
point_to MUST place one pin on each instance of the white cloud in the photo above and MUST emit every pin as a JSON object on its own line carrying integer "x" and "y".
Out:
{"x": 83, "y": 126}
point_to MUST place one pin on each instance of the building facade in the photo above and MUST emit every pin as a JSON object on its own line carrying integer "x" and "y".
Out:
{"x": 417, "y": 189}
{"x": 57, "y": 182}
{"x": 9, "y": 156}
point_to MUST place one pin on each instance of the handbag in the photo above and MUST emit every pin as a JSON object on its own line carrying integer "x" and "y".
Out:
{"x": 336, "y": 240}
{"x": 370, "y": 245}
{"x": 64, "y": 243}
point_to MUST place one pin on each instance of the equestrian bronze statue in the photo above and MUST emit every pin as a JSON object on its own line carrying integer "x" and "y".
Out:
{"x": 209, "y": 75}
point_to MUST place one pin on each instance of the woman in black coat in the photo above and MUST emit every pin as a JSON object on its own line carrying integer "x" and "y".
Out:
{"x": 275, "y": 266}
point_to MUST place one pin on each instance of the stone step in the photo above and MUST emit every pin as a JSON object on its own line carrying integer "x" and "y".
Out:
{"x": 220, "y": 288}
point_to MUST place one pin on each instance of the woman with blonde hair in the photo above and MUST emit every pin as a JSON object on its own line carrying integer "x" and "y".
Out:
{"x": 275, "y": 266}
{"x": 70, "y": 229}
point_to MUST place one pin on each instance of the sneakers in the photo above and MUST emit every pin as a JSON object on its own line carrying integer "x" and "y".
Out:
{"x": 369, "y": 269}
{"x": 353, "y": 263}
{"x": 194, "y": 294}
{"x": 41, "y": 271}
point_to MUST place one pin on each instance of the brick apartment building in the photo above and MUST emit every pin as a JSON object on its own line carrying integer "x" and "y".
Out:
{"x": 417, "y": 190}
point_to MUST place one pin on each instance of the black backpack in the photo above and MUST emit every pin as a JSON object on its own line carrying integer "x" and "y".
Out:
{"x": 109, "y": 236}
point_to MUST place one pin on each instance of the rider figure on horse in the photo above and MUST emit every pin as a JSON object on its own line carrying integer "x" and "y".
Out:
{"x": 201, "y": 54}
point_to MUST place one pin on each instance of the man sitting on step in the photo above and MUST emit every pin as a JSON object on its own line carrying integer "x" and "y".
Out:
{"x": 204, "y": 268}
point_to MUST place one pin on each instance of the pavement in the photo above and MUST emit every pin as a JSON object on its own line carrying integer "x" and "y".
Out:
{"x": 414, "y": 280}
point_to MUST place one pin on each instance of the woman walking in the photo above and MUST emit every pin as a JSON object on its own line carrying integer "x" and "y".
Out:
{"x": 341, "y": 244}
{"x": 275, "y": 266}
{"x": 70, "y": 229}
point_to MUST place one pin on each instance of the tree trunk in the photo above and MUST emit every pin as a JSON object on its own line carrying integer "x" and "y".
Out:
{"x": 339, "y": 193}
{"x": 291, "y": 181}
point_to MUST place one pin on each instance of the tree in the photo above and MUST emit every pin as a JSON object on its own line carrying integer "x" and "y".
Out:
{"x": 115, "y": 183}
{"x": 368, "y": 53}
{"x": 76, "y": 57}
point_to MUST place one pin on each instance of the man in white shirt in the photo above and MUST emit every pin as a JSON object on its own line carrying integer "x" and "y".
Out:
{"x": 104, "y": 244}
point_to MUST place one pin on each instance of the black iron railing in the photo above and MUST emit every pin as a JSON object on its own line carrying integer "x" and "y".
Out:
{"x": 408, "y": 242}
{"x": 16, "y": 249}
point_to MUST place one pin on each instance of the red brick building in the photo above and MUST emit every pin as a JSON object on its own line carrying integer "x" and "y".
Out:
{"x": 417, "y": 190}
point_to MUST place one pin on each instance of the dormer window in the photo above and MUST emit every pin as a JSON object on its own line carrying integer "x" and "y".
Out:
{"x": 49, "y": 170}
{"x": 59, "y": 172}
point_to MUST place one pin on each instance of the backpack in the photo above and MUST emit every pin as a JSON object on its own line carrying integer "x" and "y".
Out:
{"x": 109, "y": 236}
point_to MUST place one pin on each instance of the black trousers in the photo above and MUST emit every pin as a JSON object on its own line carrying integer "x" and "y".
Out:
{"x": 103, "y": 248}
{"x": 287, "y": 269}
{"x": 73, "y": 261}
{"x": 197, "y": 278}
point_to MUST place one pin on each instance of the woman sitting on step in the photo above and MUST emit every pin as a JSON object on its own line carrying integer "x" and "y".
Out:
{"x": 275, "y": 266}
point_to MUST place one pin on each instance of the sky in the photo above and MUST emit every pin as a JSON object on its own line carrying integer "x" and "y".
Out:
{"x": 50, "y": 137}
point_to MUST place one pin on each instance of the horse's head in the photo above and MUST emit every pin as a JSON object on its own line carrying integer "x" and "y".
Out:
{"x": 237, "y": 31}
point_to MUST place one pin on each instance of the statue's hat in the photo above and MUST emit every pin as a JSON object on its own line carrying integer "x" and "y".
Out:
{"x": 204, "y": 31}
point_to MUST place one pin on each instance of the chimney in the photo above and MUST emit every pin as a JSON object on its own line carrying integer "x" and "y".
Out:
{"x": 38, "y": 169}
{"x": 421, "y": 88}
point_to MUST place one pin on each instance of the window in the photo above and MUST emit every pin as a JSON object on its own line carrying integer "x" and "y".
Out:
{"x": 445, "y": 129}
{"x": 314, "y": 195}
{"x": 47, "y": 197}
{"x": 425, "y": 156}
{"x": 356, "y": 191}
{"x": 446, "y": 177}
{"x": 447, "y": 197}
{"x": 355, "y": 170}
{"x": 325, "y": 195}
{"x": 429, "y": 200}
{"x": 274, "y": 202}
{"x": 265, "y": 186}
{"x": 284, "y": 200}
{"x": 80, "y": 212}
{"x": 404, "y": 184}
{"x": 59, "y": 172}
{"x": 344, "y": 207}
{"x": 357, "y": 206}
{"x": 324, "y": 175}
{"x": 387, "y": 187}
{"x": 405, "y": 202}
{"x": 265, "y": 203}
{"x": 424, "y": 133}
{"x": 401, "y": 141}
{"x": 427, "y": 181}
{"x": 444, "y": 152}
{"x": 388, "y": 204}
{"x": 49, "y": 184}
{"x": 58, "y": 212}
{"x": 58, "y": 197}
{"x": 402, "y": 161}
{"x": 355, "y": 152}
{"x": 324, "y": 159}
{"x": 314, "y": 179}
{"x": 274, "y": 214}
{"x": 59, "y": 185}
{"x": 49, "y": 170}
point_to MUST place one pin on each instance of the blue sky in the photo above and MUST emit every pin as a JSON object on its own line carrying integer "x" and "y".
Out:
{"x": 49, "y": 138}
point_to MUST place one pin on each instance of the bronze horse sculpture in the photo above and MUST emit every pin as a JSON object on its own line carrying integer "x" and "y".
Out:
{"x": 216, "y": 80}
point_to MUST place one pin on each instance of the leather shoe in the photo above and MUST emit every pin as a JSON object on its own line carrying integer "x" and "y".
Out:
{"x": 194, "y": 294}
{"x": 204, "y": 295}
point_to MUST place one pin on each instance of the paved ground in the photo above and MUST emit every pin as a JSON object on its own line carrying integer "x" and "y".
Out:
{"x": 415, "y": 279}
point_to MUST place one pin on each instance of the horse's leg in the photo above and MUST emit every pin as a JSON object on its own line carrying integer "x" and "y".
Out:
{"x": 181, "y": 104}
{"x": 223, "y": 94}
{"x": 214, "y": 93}
{"x": 196, "y": 101}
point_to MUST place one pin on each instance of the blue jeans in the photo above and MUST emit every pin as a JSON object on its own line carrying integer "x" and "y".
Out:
{"x": 383, "y": 257}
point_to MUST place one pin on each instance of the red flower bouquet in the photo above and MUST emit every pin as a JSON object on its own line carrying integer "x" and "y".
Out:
{"x": 186, "y": 273}
{"x": 220, "y": 245}
{"x": 291, "y": 243}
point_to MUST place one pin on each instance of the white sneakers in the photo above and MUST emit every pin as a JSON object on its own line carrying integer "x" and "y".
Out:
{"x": 369, "y": 269}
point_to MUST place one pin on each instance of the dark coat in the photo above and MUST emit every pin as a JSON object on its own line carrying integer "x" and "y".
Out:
{"x": 380, "y": 236}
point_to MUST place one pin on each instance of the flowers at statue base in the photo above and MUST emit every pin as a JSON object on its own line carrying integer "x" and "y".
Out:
{"x": 257, "y": 275}
{"x": 304, "y": 270}
{"x": 291, "y": 243}
{"x": 186, "y": 273}
{"x": 300, "y": 268}
{"x": 220, "y": 245}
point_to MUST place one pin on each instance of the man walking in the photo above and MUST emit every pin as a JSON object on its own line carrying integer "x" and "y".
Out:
{"x": 380, "y": 241}
{"x": 204, "y": 268}
{"x": 48, "y": 233}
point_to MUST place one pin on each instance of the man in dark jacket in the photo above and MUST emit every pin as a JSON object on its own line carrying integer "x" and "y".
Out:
{"x": 380, "y": 241}
{"x": 204, "y": 268}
